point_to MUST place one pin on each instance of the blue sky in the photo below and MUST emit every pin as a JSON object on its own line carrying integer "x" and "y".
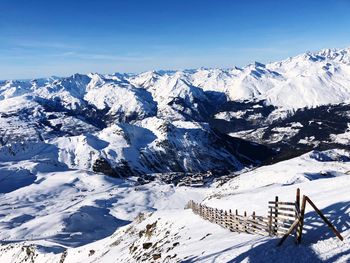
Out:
{"x": 59, "y": 37}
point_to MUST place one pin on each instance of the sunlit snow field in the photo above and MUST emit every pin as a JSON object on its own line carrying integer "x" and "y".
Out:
{"x": 82, "y": 211}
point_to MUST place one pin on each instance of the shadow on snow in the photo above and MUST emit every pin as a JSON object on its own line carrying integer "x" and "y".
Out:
{"x": 314, "y": 230}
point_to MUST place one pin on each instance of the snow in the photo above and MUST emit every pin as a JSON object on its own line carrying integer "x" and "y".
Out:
{"x": 306, "y": 168}
{"x": 280, "y": 133}
{"x": 228, "y": 115}
{"x": 342, "y": 138}
{"x": 121, "y": 98}
{"x": 309, "y": 141}
{"x": 65, "y": 210}
{"x": 53, "y": 207}
{"x": 253, "y": 135}
{"x": 296, "y": 125}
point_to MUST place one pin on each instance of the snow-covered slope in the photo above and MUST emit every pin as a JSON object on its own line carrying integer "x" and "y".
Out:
{"x": 65, "y": 210}
{"x": 146, "y": 146}
{"x": 153, "y": 145}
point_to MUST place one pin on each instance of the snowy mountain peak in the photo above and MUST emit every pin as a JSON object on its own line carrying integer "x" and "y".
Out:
{"x": 307, "y": 80}
{"x": 327, "y": 54}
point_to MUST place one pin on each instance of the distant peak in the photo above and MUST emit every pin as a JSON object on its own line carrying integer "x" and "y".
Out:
{"x": 258, "y": 64}
{"x": 339, "y": 55}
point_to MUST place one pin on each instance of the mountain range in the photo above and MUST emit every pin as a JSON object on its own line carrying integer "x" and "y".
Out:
{"x": 189, "y": 121}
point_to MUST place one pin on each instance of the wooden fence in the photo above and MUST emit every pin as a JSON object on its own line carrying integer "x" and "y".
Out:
{"x": 284, "y": 218}
{"x": 280, "y": 218}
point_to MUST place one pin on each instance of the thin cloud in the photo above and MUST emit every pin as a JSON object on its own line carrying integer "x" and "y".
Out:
{"x": 44, "y": 44}
{"x": 112, "y": 57}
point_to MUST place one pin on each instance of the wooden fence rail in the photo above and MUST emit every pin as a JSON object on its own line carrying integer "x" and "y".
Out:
{"x": 277, "y": 223}
{"x": 284, "y": 218}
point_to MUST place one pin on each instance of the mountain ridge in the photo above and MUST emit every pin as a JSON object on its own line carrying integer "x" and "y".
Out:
{"x": 239, "y": 102}
{"x": 264, "y": 81}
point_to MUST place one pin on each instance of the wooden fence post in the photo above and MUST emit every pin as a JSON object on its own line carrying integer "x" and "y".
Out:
{"x": 270, "y": 223}
{"x": 253, "y": 225}
{"x": 221, "y": 217}
{"x": 276, "y": 216}
{"x": 301, "y": 221}
{"x": 231, "y": 220}
{"x": 297, "y": 198}
{"x": 297, "y": 213}
{"x": 218, "y": 219}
